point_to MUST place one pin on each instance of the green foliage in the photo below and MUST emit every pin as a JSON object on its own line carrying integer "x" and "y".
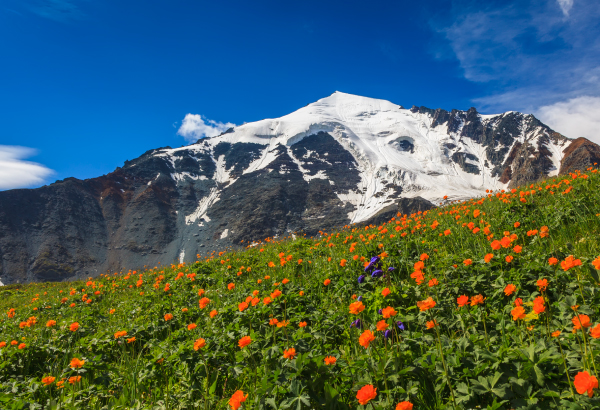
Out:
{"x": 475, "y": 356}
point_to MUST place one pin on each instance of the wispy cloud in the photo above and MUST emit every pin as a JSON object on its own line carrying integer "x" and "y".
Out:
{"x": 526, "y": 54}
{"x": 17, "y": 173}
{"x": 58, "y": 10}
{"x": 194, "y": 127}
{"x": 577, "y": 117}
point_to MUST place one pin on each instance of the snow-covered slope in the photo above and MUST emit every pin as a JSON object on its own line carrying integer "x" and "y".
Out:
{"x": 392, "y": 147}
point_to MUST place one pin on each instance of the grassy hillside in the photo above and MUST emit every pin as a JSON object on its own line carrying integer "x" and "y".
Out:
{"x": 490, "y": 303}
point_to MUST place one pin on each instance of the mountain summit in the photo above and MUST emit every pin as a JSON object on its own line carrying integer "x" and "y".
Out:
{"x": 342, "y": 159}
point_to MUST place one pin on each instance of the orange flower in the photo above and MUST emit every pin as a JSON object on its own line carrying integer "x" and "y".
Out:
{"x": 580, "y": 321}
{"x": 595, "y": 331}
{"x": 518, "y": 313}
{"x": 433, "y": 282}
{"x": 538, "y": 305}
{"x": 244, "y": 341}
{"x": 329, "y": 360}
{"x": 51, "y": 323}
{"x": 385, "y": 292}
{"x": 366, "y": 338}
{"x": 237, "y": 399}
{"x": 569, "y": 262}
{"x": 356, "y": 307}
{"x": 556, "y": 333}
{"x": 199, "y": 344}
{"x": 275, "y": 294}
{"x": 131, "y": 340}
{"x": 518, "y": 302}
{"x": 273, "y": 322}
{"x": 168, "y": 316}
{"x": 447, "y": 232}
{"x": 487, "y": 258}
{"x": 505, "y": 242}
{"x": 74, "y": 379}
{"x": 517, "y": 224}
{"x": 111, "y": 311}
{"x": 509, "y": 289}
{"x": 467, "y": 262}
{"x": 405, "y": 405}
{"x": 462, "y": 300}
{"x": 302, "y": 324}
{"x": 284, "y": 281}
{"x": 289, "y": 353}
{"x": 517, "y": 249}
{"x": 22, "y": 346}
{"x": 382, "y": 325}
{"x": 431, "y": 324}
{"x": 191, "y": 326}
{"x": 326, "y": 282}
{"x": 48, "y": 380}
{"x": 542, "y": 284}
{"x": 283, "y": 323}
{"x": 496, "y": 245}
{"x": 585, "y": 383}
{"x": 477, "y": 300}
{"x": 120, "y": 333}
{"x": 267, "y": 300}
{"x": 242, "y": 306}
{"x": 424, "y": 256}
{"x": 231, "y": 286}
{"x": 203, "y": 302}
{"x": 366, "y": 394}
{"x": 508, "y": 259}
{"x": 426, "y": 304}
{"x": 596, "y": 263}
{"x": 76, "y": 363}
{"x": 388, "y": 312}
{"x": 74, "y": 326}
{"x": 343, "y": 262}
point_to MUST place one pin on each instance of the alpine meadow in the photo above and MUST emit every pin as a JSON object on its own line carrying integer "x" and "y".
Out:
{"x": 487, "y": 303}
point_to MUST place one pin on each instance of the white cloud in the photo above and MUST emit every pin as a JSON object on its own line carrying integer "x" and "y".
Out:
{"x": 16, "y": 173}
{"x": 194, "y": 127}
{"x": 565, "y": 6}
{"x": 574, "y": 118}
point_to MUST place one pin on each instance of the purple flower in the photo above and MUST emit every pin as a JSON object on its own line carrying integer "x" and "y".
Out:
{"x": 379, "y": 311}
{"x": 357, "y": 323}
{"x": 372, "y": 263}
{"x": 391, "y": 269}
{"x": 359, "y": 298}
{"x": 376, "y": 273}
{"x": 400, "y": 325}
{"x": 387, "y": 334}
{"x": 361, "y": 278}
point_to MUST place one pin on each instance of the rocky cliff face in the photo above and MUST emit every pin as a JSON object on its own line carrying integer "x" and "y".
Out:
{"x": 344, "y": 159}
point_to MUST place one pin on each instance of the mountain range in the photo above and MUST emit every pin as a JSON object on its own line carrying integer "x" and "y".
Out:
{"x": 342, "y": 160}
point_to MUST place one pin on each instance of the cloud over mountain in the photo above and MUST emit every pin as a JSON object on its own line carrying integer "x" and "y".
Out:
{"x": 17, "y": 173}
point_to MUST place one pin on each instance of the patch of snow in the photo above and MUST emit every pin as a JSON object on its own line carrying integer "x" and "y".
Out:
{"x": 224, "y": 234}
{"x": 203, "y": 206}
{"x": 181, "y": 256}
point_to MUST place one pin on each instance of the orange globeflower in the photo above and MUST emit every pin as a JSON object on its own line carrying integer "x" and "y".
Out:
{"x": 120, "y": 333}
{"x": 366, "y": 338}
{"x": 431, "y": 324}
{"x": 242, "y": 306}
{"x": 518, "y": 313}
{"x": 199, "y": 344}
{"x": 433, "y": 282}
{"x": 283, "y": 323}
{"x": 237, "y": 399}
{"x": 388, "y": 312}
{"x": 569, "y": 262}
{"x": 213, "y": 313}
{"x": 518, "y": 302}
{"x": 48, "y": 380}
{"x": 585, "y": 383}
{"x": 203, "y": 302}
{"x": 462, "y": 300}
{"x": 289, "y": 353}
{"x": 467, "y": 262}
{"x": 76, "y": 363}
{"x": 244, "y": 341}
{"x": 538, "y": 305}
{"x": 542, "y": 284}
{"x": 74, "y": 379}
{"x": 496, "y": 245}
{"x": 366, "y": 394}
{"x": 509, "y": 289}
{"x": 382, "y": 325}
{"x": 556, "y": 333}
{"x": 426, "y": 304}
{"x": 74, "y": 326}
{"x": 552, "y": 261}
{"x": 326, "y": 282}
{"x": 405, "y": 405}
{"x": 385, "y": 292}
{"x": 508, "y": 259}
{"x": 51, "y": 323}
{"x": 329, "y": 360}
{"x": 231, "y": 286}
{"x": 191, "y": 326}
{"x": 580, "y": 321}
{"x": 356, "y": 307}
{"x": 22, "y": 346}
{"x": 596, "y": 263}
{"x": 131, "y": 340}
{"x": 595, "y": 331}
{"x": 302, "y": 324}
{"x": 267, "y": 300}
{"x": 168, "y": 316}
{"x": 517, "y": 249}
{"x": 487, "y": 258}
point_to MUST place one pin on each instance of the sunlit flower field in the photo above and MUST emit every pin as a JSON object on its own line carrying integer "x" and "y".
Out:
{"x": 491, "y": 303}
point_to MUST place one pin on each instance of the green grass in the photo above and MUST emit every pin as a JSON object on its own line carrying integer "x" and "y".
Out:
{"x": 476, "y": 357}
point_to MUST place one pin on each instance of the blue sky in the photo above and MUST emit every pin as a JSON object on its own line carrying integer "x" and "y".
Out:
{"x": 87, "y": 85}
